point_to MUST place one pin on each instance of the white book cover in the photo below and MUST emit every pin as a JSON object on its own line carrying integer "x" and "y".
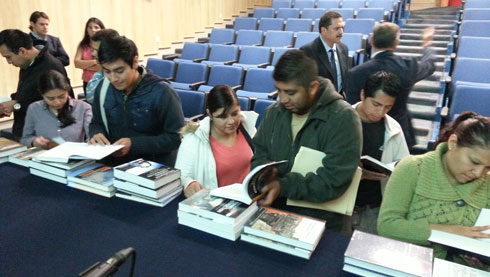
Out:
{"x": 135, "y": 188}
{"x": 107, "y": 194}
{"x": 211, "y": 223}
{"x": 472, "y": 245}
{"x": 146, "y": 200}
{"x": 96, "y": 175}
{"x": 250, "y": 190}
{"x": 78, "y": 151}
{"x": 24, "y": 157}
{"x": 146, "y": 173}
{"x": 196, "y": 225}
{"x": 384, "y": 255}
{"x": 285, "y": 227}
{"x": 443, "y": 268}
{"x": 309, "y": 160}
{"x": 47, "y": 175}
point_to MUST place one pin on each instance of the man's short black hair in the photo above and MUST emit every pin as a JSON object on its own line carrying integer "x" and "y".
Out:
{"x": 105, "y": 34}
{"x": 327, "y": 18}
{"x": 116, "y": 48}
{"x": 295, "y": 66}
{"x": 14, "y": 39}
{"x": 387, "y": 82}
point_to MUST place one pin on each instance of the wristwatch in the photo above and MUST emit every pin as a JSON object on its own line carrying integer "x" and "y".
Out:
{"x": 16, "y": 106}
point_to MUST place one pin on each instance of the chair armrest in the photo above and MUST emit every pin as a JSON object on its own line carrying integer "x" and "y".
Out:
{"x": 194, "y": 86}
{"x": 273, "y": 95}
{"x": 203, "y": 40}
{"x": 262, "y": 65}
{"x": 170, "y": 56}
{"x": 230, "y": 62}
{"x": 235, "y": 88}
{"x": 199, "y": 60}
{"x": 197, "y": 118}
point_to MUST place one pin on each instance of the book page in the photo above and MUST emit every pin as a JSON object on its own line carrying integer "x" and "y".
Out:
{"x": 78, "y": 150}
{"x": 443, "y": 268}
{"x": 309, "y": 160}
{"x": 465, "y": 243}
{"x": 484, "y": 220}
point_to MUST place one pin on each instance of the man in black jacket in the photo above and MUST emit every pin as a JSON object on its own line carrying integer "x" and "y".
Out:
{"x": 384, "y": 41}
{"x": 330, "y": 54}
{"x": 17, "y": 48}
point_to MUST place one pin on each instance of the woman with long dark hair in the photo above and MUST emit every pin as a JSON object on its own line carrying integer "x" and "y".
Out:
{"x": 217, "y": 151}
{"x": 57, "y": 115}
{"x": 83, "y": 58}
{"x": 441, "y": 190}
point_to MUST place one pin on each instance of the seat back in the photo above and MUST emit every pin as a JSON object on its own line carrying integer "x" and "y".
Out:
{"x": 475, "y": 28}
{"x": 249, "y": 37}
{"x": 302, "y": 4}
{"x": 313, "y": 13}
{"x": 346, "y": 13}
{"x": 375, "y": 13}
{"x": 474, "y": 47}
{"x": 222, "y": 36}
{"x": 298, "y": 25}
{"x": 267, "y": 24}
{"x": 276, "y": 4}
{"x": 328, "y": 4}
{"x": 286, "y": 13}
{"x": 387, "y": 5}
{"x": 476, "y": 14}
{"x": 194, "y": 51}
{"x": 303, "y": 38}
{"x": 353, "y": 41}
{"x": 255, "y": 55}
{"x": 260, "y": 107}
{"x": 162, "y": 68}
{"x": 363, "y": 26}
{"x": 225, "y": 75}
{"x": 193, "y": 102}
{"x": 471, "y": 70}
{"x": 189, "y": 73}
{"x": 245, "y": 23}
{"x": 244, "y": 103}
{"x": 263, "y": 13}
{"x": 470, "y": 98}
{"x": 223, "y": 53}
{"x": 278, "y": 39}
{"x": 353, "y": 4}
{"x": 278, "y": 52}
{"x": 477, "y": 4}
{"x": 259, "y": 80}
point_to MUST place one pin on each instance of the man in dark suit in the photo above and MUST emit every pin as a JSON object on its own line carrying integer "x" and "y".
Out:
{"x": 39, "y": 23}
{"x": 384, "y": 40}
{"x": 330, "y": 54}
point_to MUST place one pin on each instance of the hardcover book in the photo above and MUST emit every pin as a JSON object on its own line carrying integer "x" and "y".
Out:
{"x": 47, "y": 175}
{"x": 59, "y": 169}
{"x": 443, "y": 268}
{"x": 370, "y": 163}
{"x": 24, "y": 157}
{"x": 10, "y": 147}
{"x": 278, "y": 246}
{"x": 251, "y": 189}
{"x": 146, "y": 173}
{"x": 93, "y": 190}
{"x": 160, "y": 202}
{"x": 208, "y": 225}
{"x": 287, "y": 228}
{"x": 220, "y": 209}
{"x": 153, "y": 193}
{"x": 373, "y": 255}
{"x": 96, "y": 175}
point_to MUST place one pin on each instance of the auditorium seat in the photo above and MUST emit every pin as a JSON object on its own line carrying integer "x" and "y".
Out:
{"x": 193, "y": 52}
{"x": 222, "y": 54}
{"x": 190, "y": 75}
{"x": 258, "y": 83}
{"x": 162, "y": 68}
{"x": 224, "y": 75}
{"x": 193, "y": 102}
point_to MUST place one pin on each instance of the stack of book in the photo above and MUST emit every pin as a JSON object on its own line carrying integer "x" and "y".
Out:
{"x": 147, "y": 182}
{"x": 284, "y": 231}
{"x": 372, "y": 255}
{"x": 95, "y": 178}
{"x": 57, "y": 172}
{"x": 9, "y": 147}
{"x": 24, "y": 157}
{"x": 215, "y": 215}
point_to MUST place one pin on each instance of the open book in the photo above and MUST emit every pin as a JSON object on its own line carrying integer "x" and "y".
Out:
{"x": 78, "y": 151}
{"x": 309, "y": 160}
{"x": 251, "y": 188}
{"x": 370, "y": 163}
{"x": 477, "y": 246}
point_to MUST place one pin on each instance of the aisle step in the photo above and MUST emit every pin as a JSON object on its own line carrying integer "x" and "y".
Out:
{"x": 425, "y": 98}
{"x": 419, "y": 31}
{"x": 422, "y": 111}
{"x": 429, "y": 16}
{"x": 412, "y": 36}
{"x": 439, "y": 58}
{"x": 429, "y": 21}
{"x": 406, "y": 42}
{"x": 420, "y": 49}
{"x": 426, "y": 25}
{"x": 427, "y": 86}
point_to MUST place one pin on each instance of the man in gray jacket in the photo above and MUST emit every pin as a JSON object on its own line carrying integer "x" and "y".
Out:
{"x": 311, "y": 114}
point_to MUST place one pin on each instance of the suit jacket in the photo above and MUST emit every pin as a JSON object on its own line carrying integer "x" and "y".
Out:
{"x": 55, "y": 48}
{"x": 408, "y": 70}
{"x": 316, "y": 51}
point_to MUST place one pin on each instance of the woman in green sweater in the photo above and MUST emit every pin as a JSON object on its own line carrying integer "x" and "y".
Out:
{"x": 441, "y": 190}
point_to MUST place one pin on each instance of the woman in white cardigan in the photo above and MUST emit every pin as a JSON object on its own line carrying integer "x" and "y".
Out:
{"x": 217, "y": 150}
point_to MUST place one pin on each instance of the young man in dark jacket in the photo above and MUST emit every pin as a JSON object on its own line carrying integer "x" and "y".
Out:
{"x": 143, "y": 112}
{"x": 312, "y": 114}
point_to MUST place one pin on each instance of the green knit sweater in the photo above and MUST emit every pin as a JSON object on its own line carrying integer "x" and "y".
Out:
{"x": 418, "y": 194}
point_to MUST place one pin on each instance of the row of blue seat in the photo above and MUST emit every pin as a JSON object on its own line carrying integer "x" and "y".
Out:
{"x": 327, "y": 4}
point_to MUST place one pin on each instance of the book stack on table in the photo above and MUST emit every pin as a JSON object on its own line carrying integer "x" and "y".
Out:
{"x": 372, "y": 255}
{"x": 147, "y": 182}
{"x": 94, "y": 178}
{"x": 284, "y": 231}
{"x": 215, "y": 215}
{"x": 24, "y": 157}
{"x": 57, "y": 172}
{"x": 9, "y": 147}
